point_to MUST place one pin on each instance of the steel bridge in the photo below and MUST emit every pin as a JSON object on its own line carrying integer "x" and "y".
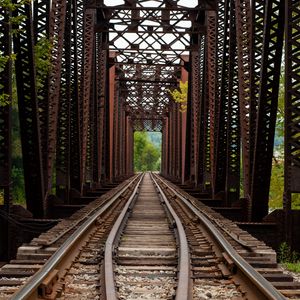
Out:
{"x": 112, "y": 64}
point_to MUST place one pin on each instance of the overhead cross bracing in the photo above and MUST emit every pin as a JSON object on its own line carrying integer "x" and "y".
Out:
{"x": 145, "y": 89}
{"x": 150, "y": 40}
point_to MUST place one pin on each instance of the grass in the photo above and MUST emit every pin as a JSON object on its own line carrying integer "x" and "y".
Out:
{"x": 293, "y": 267}
{"x": 289, "y": 259}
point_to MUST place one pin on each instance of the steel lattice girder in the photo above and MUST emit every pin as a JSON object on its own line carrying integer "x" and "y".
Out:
{"x": 87, "y": 67}
{"x": 5, "y": 111}
{"x": 63, "y": 133}
{"x": 68, "y": 138}
{"x": 41, "y": 17}
{"x": 5, "y": 130}
{"x": 28, "y": 112}
{"x": 227, "y": 172}
{"x": 56, "y": 34}
{"x": 145, "y": 91}
{"x": 292, "y": 102}
{"x": 222, "y": 109}
{"x": 267, "y": 107}
{"x": 209, "y": 92}
{"x": 150, "y": 38}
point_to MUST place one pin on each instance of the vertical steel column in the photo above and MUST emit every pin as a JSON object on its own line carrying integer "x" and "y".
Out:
{"x": 75, "y": 135}
{"x": 122, "y": 154}
{"x": 63, "y": 131}
{"x": 245, "y": 71}
{"x": 232, "y": 185}
{"x": 131, "y": 144}
{"x": 167, "y": 161}
{"x": 170, "y": 144}
{"x": 210, "y": 90}
{"x": 96, "y": 146}
{"x": 41, "y": 17}
{"x": 203, "y": 120}
{"x": 177, "y": 142}
{"x": 195, "y": 103}
{"x": 257, "y": 42}
{"x": 106, "y": 125}
{"x": 87, "y": 67}
{"x": 56, "y": 34}
{"x": 111, "y": 109}
{"x": 102, "y": 93}
{"x": 5, "y": 129}
{"x": 184, "y": 78}
{"x": 189, "y": 135}
{"x": 169, "y": 152}
{"x": 5, "y": 110}
{"x": 227, "y": 163}
{"x": 292, "y": 107}
{"x": 92, "y": 136}
{"x": 173, "y": 141}
{"x": 222, "y": 18}
{"x": 221, "y": 117}
{"x": 28, "y": 112}
{"x": 267, "y": 109}
{"x": 162, "y": 165}
{"x": 116, "y": 131}
{"x": 68, "y": 173}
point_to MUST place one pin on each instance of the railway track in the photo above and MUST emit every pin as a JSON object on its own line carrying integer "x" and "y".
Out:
{"x": 146, "y": 240}
{"x": 232, "y": 257}
{"x": 41, "y": 266}
{"x": 151, "y": 260}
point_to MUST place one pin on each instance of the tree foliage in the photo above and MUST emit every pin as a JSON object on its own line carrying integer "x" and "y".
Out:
{"x": 180, "y": 95}
{"x": 42, "y": 49}
{"x": 146, "y": 154}
{"x": 42, "y": 55}
{"x": 277, "y": 178}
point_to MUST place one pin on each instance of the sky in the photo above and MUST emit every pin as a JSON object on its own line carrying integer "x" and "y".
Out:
{"x": 187, "y": 3}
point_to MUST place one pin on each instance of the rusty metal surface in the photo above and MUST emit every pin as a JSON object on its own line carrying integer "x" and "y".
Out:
{"x": 28, "y": 113}
{"x": 75, "y": 127}
{"x": 56, "y": 34}
{"x": 210, "y": 92}
{"x": 292, "y": 50}
{"x": 244, "y": 44}
{"x": 222, "y": 114}
{"x": 41, "y": 18}
{"x": 232, "y": 185}
{"x": 5, "y": 131}
{"x": 263, "y": 288}
{"x": 149, "y": 55}
{"x": 5, "y": 111}
{"x": 87, "y": 67}
{"x": 267, "y": 108}
{"x": 63, "y": 130}
{"x": 78, "y": 234}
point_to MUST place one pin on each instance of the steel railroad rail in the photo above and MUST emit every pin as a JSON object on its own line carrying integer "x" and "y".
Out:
{"x": 62, "y": 258}
{"x": 258, "y": 282}
{"x": 152, "y": 238}
{"x": 183, "y": 280}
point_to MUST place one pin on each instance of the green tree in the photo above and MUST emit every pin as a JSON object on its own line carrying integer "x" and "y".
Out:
{"x": 146, "y": 154}
{"x": 42, "y": 52}
{"x": 10, "y": 7}
{"x": 180, "y": 95}
{"x": 277, "y": 178}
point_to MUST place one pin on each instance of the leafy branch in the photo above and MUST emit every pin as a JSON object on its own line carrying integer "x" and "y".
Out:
{"x": 180, "y": 95}
{"x": 8, "y": 6}
{"x": 42, "y": 49}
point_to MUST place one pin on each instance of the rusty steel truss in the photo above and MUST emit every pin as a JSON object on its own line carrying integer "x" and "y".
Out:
{"x": 111, "y": 70}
